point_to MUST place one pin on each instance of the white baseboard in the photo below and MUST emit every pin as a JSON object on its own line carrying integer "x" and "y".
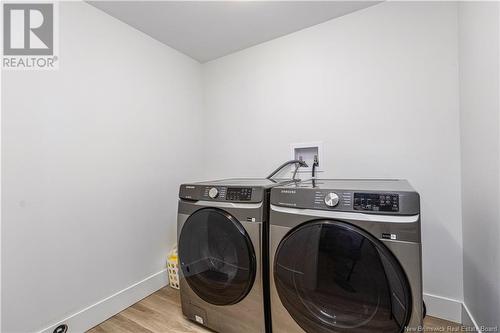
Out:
{"x": 443, "y": 307}
{"x": 94, "y": 314}
{"x": 83, "y": 320}
{"x": 467, "y": 318}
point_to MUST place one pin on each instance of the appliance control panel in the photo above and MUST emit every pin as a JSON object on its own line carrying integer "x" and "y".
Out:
{"x": 364, "y": 196}
{"x": 347, "y": 200}
{"x": 221, "y": 193}
{"x": 376, "y": 202}
{"x": 214, "y": 192}
{"x": 239, "y": 193}
{"x": 332, "y": 199}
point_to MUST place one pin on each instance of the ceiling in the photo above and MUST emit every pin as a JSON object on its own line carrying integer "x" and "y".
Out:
{"x": 206, "y": 30}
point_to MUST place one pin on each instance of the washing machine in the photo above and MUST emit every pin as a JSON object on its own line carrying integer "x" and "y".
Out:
{"x": 222, "y": 229}
{"x": 345, "y": 257}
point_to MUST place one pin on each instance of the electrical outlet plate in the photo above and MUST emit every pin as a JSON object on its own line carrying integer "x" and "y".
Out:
{"x": 306, "y": 152}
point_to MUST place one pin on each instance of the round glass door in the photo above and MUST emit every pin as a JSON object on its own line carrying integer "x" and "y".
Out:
{"x": 334, "y": 277}
{"x": 216, "y": 257}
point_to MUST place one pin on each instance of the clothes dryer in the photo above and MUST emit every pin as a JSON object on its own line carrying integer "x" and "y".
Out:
{"x": 345, "y": 257}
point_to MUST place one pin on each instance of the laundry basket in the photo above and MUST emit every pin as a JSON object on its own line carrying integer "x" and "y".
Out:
{"x": 173, "y": 268}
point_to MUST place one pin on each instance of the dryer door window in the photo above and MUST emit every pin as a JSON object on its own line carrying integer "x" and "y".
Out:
{"x": 216, "y": 257}
{"x": 334, "y": 277}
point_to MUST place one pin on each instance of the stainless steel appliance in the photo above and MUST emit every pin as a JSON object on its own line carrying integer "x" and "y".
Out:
{"x": 345, "y": 257}
{"x": 222, "y": 227}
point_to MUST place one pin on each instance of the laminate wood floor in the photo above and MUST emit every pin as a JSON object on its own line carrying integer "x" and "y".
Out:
{"x": 161, "y": 313}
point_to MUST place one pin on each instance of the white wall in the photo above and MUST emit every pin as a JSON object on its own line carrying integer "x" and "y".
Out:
{"x": 479, "y": 41}
{"x": 380, "y": 88}
{"x": 93, "y": 153}
{"x": 92, "y": 157}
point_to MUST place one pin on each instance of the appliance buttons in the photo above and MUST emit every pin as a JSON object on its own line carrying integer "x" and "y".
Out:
{"x": 213, "y": 193}
{"x": 331, "y": 199}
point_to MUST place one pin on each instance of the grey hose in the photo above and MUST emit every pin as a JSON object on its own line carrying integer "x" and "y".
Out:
{"x": 298, "y": 164}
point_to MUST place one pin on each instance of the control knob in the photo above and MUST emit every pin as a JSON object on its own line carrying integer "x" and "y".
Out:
{"x": 213, "y": 192}
{"x": 331, "y": 199}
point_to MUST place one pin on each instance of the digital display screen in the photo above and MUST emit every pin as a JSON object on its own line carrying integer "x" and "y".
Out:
{"x": 377, "y": 202}
{"x": 239, "y": 193}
